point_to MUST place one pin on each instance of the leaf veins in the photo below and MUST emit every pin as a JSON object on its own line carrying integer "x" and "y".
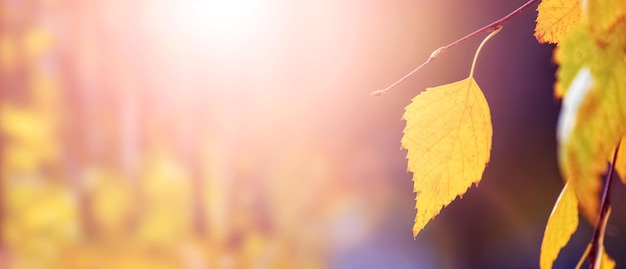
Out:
{"x": 555, "y": 19}
{"x": 448, "y": 140}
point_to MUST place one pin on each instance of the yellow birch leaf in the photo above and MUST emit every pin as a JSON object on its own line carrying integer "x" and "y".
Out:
{"x": 555, "y": 19}
{"x": 607, "y": 262}
{"x": 599, "y": 119}
{"x": 562, "y": 223}
{"x": 448, "y": 141}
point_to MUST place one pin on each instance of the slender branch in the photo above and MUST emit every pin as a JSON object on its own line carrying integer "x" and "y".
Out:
{"x": 488, "y": 28}
{"x": 597, "y": 240}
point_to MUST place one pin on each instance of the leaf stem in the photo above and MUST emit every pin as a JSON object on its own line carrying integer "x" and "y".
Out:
{"x": 488, "y": 28}
{"x": 583, "y": 258}
{"x": 481, "y": 46}
{"x": 597, "y": 240}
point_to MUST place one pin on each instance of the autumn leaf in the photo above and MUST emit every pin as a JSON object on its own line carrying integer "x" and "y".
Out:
{"x": 572, "y": 57}
{"x": 562, "y": 223}
{"x": 448, "y": 139}
{"x": 604, "y": 14}
{"x": 555, "y": 19}
{"x": 599, "y": 119}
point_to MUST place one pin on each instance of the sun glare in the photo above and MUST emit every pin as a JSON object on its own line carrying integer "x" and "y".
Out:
{"x": 201, "y": 132}
{"x": 209, "y": 21}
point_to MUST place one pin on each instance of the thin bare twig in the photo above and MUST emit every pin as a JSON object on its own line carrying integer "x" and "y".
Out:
{"x": 597, "y": 240}
{"x": 488, "y": 28}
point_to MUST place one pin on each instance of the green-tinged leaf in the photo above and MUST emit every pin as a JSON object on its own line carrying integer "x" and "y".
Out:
{"x": 599, "y": 118}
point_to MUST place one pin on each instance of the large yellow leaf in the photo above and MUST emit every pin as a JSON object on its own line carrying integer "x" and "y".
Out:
{"x": 604, "y": 14}
{"x": 599, "y": 120}
{"x": 562, "y": 223}
{"x": 555, "y": 19}
{"x": 448, "y": 141}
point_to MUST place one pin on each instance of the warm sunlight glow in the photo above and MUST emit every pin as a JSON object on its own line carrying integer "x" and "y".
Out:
{"x": 231, "y": 17}
{"x": 197, "y": 133}
{"x": 209, "y": 22}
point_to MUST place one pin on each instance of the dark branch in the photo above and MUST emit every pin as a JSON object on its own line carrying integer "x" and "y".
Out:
{"x": 488, "y": 28}
{"x": 605, "y": 205}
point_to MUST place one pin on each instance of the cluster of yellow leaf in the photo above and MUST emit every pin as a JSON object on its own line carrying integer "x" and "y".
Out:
{"x": 145, "y": 223}
{"x": 591, "y": 80}
{"x": 40, "y": 219}
{"x": 40, "y": 214}
{"x": 448, "y": 131}
{"x": 30, "y": 129}
{"x": 448, "y": 140}
{"x": 89, "y": 190}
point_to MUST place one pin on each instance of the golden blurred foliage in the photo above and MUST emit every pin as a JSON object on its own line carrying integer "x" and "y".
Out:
{"x": 104, "y": 165}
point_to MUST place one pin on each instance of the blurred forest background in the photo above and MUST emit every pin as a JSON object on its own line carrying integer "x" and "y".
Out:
{"x": 241, "y": 134}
